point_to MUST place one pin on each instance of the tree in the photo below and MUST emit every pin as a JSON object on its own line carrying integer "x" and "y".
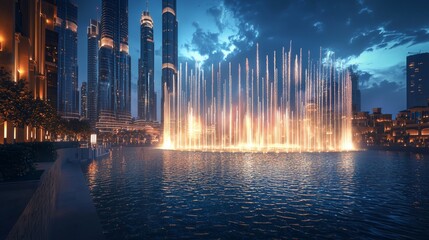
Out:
{"x": 18, "y": 106}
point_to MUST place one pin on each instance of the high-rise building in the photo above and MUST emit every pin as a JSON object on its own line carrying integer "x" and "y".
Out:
{"x": 356, "y": 96}
{"x": 49, "y": 10}
{"x": 93, "y": 33}
{"x": 84, "y": 101}
{"x": 23, "y": 27}
{"x": 66, "y": 26}
{"x": 114, "y": 65}
{"x": 146, "y": 85}
{"x": 418, "y": 80}
{"x": 169, "y": 48}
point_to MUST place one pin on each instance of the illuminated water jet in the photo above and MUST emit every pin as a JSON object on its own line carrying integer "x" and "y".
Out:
{"x": 300, "y": 110}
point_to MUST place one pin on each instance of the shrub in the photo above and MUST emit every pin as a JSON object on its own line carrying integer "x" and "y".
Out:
{"x": 15, "y": 161}
{"x": 43, "y": 151}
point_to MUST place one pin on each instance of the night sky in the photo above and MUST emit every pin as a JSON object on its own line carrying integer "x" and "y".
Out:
{"x": 375, "y": 35}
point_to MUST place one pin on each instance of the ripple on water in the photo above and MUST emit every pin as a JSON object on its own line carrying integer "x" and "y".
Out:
{"x": 148, "y": 193}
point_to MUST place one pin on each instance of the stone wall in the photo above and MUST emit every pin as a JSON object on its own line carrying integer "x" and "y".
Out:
{"x": 35, "y": 220}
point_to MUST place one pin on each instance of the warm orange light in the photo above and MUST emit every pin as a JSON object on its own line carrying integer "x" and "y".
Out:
{"x": 1, "y": 44}
{"x": 5, "y": 129}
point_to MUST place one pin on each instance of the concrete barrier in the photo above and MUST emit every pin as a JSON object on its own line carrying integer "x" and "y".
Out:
{"x": 61, "y": 207}
{"x": 36, "y": 219}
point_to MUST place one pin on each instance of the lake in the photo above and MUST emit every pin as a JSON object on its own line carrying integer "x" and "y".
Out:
{"x": 147, "y": 193}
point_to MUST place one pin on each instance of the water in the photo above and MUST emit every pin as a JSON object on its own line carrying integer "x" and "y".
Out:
{"x": 143, "y": 193}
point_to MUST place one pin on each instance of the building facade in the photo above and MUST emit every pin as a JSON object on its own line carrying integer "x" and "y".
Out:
{"x": 66, "y": 26}
{"x": 356, "y": 96}
{"x": 417, "y": 80}
{"x": 114, "y": 65}
{"x": 84, "y": 101}
{"x": 49, "y": 10}
{"x": 93, "y": 33}
{"x": 169, "y": 49}
{"x": 22, "y": 57}
{"x": 146, "y": 84}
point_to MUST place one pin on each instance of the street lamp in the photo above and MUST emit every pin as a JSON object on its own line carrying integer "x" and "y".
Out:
{"x": 93, "y": 144}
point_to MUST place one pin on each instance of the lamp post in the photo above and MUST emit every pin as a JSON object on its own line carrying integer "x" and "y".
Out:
{"x": 93, "y": 144}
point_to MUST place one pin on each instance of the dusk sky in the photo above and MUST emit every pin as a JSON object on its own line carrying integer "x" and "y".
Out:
{"x": 375, "y": 35}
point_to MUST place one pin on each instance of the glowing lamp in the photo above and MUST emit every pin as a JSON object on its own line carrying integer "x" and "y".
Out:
{"x": 93, "y": 139}
{"x": 5, "y": 130}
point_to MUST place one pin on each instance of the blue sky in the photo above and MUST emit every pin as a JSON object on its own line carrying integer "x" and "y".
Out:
{"x": 375, "y": 35}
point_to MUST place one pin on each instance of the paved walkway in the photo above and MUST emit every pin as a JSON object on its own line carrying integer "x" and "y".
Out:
{"x": 75, "y": 216}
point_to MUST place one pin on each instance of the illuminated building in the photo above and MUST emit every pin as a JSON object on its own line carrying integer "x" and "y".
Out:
{"x": 84, "y": 101}
{"x": 114, "y": 76}
{"x": 169, "y": 51}
{"x": 146, "y": 85}
{"x": 417, "y": 80}
{"x": 49, "y": 10}
{"x": 66, "y": 26}
{"x": 22, "y": 56}
{"x": 93, "y": 33}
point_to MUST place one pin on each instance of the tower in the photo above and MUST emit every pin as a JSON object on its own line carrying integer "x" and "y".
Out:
{"x": 93, "y": 33}
{"x": 169, "y": 49}
{"x": 417, "y": 80}
{"x": 114, "y": 65}
{"x": 146, "y": 87}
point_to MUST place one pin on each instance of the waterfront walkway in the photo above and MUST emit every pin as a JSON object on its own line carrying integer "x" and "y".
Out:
{"x": 75, "y": 216}
{"x": 29, "y": 212}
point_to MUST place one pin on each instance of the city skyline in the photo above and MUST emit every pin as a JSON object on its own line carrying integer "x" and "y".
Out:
{"x": 378, "y": 39}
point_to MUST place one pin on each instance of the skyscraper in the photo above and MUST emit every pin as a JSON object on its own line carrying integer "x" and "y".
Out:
{"x": 93, "y": 33}
{"x": 66, "y": 26}
{"x": 84, "y": 101}
{"x": 114, "y": 89}
{"x": 356, "y": 96}
{"x": 169, "y": 48}
{"x": 146, "y": 87}
{"x": 418, "y": 80}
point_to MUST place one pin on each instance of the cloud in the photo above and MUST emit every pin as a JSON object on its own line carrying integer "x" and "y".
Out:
{"x": 217, "y": 13}
{"x": 207, "y": 44}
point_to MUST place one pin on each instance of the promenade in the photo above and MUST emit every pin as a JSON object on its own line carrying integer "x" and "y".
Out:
{"x": 58, "y": 206}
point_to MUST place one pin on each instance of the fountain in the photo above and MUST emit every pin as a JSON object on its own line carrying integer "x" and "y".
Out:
{"x": 294, "y": 110}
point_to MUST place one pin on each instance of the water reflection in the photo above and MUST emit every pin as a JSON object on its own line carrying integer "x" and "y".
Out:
{"x": 150, "y": 193}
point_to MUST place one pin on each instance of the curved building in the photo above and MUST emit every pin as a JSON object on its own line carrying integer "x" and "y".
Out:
{"x": 169, "y": 48}
{"x": 146, "y": 85}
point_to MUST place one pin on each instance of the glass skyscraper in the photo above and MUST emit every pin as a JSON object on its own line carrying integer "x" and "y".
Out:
{"x": 114, "y": 80}
{"x": 418, "y": 80}
{"x": 146, "y": 88}
{"x": 66, "y": 26}
{"x": 169, "y": 48}
{"x": 93, "y": 38}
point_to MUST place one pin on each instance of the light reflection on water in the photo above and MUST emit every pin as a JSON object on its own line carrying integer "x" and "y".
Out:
{"x": 150, "y": 193}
